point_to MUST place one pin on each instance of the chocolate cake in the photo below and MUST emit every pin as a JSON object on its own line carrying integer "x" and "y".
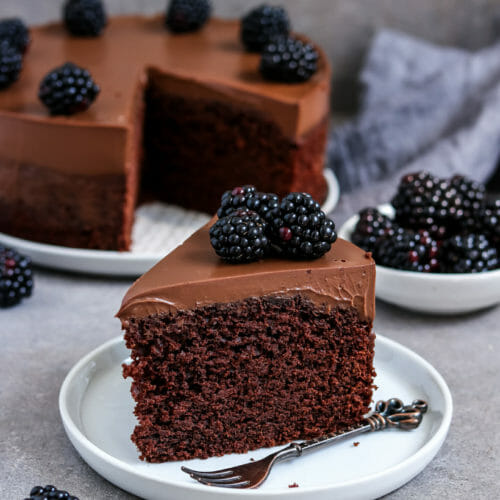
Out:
{"x": 228, "y": 358}
{"x": 189, "y": 114}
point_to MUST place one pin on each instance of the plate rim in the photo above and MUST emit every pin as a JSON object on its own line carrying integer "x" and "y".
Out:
{"x": 41, "y": 251}
{"x": 347, "y": 228}
{"x": 432, "y": 446}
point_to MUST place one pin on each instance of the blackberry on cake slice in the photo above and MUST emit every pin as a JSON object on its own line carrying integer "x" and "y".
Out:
{"x": 288, "y": 60}
{"x": 234, "y": 199}
{"x": 85, "y": 17}
{"x": 184, "y": 16}
{"x": 16, "y": 277}
{"x": 262, "y": 24}
{"x": 300, "y": 229}
{"x": 469, "y": 253}
{"x": 11, "y": 64}
{"x": 68, "y": 89}
{"x": 16, "y": 33}
{"x": 240, "y": 237}
{"x": 247, "y": 197}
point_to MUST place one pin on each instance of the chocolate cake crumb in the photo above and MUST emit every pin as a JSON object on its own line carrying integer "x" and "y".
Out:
{"x": 261, "y": 372}
{"x": 356, "y": 443}
{"x": 293, "y": 485}
{"x": 177, "y": 130}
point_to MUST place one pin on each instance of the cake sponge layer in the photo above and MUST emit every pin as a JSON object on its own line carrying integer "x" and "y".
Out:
{"x": 234, "y": 377}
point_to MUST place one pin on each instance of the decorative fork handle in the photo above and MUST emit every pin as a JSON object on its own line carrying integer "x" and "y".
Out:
{"x": 387, "y": 414}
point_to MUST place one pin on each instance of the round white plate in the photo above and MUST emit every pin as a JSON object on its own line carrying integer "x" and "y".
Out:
{"x": 96, "y": 410}
{"x": 158, "y": 229}
{"x": 434, "y": 293}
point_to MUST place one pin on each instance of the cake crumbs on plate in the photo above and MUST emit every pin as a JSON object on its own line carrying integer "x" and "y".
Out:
{"x": 293, "y": 485}
{"x": 356, "y": 443}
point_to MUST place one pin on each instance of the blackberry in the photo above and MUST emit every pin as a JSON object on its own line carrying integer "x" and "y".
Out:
{"x": 471, "y": 195}
{"x": 371, "y": 226}
{"x": 408, "y": 250}
{"x": 261, "y": 25}
{"x": 11, "y": 64}
{"x": 489, "y": 222}
{"x": 234, "y": 199}
{"x": 469, "y": 253}
{"x": 85, "y": 17}
{"x": 247, "y": 197}
{"x": 68, "y": 89}
{"x": 187, "y": 15}
{"x": 265, "y": 204}
{"x": 240, "y": 237}
{"x": 426, "y": 202}
{"x": 288, "y": 60}
{"x": 16, "y": 33}
{"x": 49, "y": 492}
{"x": 16, "y": 277}
{"x": 300, "y": 228}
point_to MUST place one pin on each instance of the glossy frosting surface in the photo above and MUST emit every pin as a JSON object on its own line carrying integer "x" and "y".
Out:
{"x": 211, "y": 61}
{"x": 192, "y": 275}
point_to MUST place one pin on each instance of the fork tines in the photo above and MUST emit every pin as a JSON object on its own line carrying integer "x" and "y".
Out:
{"x": 224, "y": 478}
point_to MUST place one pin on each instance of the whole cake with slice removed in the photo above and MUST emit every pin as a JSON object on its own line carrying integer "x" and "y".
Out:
{"x": 180, "y": 113}
{"x": 231, "y": 357}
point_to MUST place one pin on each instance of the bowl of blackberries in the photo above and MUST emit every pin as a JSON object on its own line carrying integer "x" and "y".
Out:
{"x": 436, "y": 245}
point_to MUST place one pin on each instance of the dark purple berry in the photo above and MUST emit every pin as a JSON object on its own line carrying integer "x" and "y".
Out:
{"x": 424, "y": 201}
{"x": 488, "y": 221}
{"x": 470, "y": 253}
{"x": 371, "y": 226}
{"x": 187, "y": 15}
{"x": 247, "y": 197}
{"x": 16, "y": 277}
{"x": 408, "y": 250}
{"x": 49, "y": 492}
{"x": 235, "y": 199}
{"x": 300, "y": 229}
{"x": 15, "y": 33}
{"x": 11, "y": 64}
{"x": 240, "y": 237}
{"x": 84, "y": 17}
{"x": 261, "y": 25}
{"x": 288, "y": 60}
{"x": 68, "y": 89}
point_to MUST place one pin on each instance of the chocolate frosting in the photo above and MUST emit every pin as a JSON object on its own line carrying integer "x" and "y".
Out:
{"x": 193, "y": 276}
{"x": 210, "y": 63}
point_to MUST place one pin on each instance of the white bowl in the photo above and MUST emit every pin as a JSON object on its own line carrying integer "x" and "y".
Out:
{"x": 433, "y": 293}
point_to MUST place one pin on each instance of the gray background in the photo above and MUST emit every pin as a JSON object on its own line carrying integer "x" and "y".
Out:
{"x": 69, "y": 314}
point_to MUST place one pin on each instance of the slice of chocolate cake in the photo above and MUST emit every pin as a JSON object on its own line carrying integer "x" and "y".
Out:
{"x": 233, "y": 357}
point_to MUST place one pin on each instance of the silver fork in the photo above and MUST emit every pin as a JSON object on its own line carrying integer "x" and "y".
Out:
{"x": 387, "y": 414}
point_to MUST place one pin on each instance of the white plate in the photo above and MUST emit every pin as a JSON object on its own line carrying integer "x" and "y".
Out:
{"x": 158, "y": 229}
{"x": 434, "y": 293}
{"x": 96, "y": 410}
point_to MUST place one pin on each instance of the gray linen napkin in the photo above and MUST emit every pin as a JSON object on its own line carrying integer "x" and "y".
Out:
{"x": 424, "y": 107}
